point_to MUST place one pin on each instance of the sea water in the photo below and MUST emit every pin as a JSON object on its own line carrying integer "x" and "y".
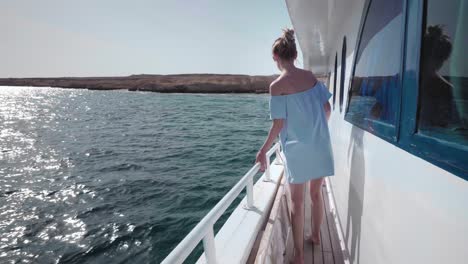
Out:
{"x": 117, "y": 176}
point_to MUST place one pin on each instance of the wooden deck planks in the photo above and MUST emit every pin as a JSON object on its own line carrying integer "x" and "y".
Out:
{"x": 308, "y": 250}
{"x": 318, "y": 249}
{"x": 328, "y": 258}
{"x": 329, "y": 251}
{"x": 335, "y": 242}
{"x": 318, "y": 254}
{"x": 324, "y": 230}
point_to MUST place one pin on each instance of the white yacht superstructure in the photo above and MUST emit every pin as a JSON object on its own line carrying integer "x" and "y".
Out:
{"x": 399, "y": 74}
{"x": 401, "y": 191}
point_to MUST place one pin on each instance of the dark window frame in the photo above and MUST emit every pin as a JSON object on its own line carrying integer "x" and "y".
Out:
{"x": 380, "y": 129}
{"x": 447, "y": 155}
{"x": 335, "y": 79}
{"x": 343, "y": 72}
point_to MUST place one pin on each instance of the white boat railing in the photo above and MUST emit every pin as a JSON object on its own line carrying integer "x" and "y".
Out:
{"x": 204, "y": 229}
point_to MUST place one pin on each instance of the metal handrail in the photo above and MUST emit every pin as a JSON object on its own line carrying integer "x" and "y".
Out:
{"x": 204, "y": 229}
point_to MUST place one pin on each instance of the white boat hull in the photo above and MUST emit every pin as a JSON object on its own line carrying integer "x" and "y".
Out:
{"x": 393, "y": 207}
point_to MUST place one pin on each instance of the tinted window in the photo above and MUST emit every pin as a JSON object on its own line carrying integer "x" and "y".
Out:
{"x": 375, "y": 84}
{"x": 443, "y": 94}
{"x": 334, "y": 80}
{"x": 343, "y": 72}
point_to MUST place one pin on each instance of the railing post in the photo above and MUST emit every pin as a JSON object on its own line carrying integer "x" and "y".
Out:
{"x": 209, "y": 247}
{"x": 250, "y": 193}
{"x": 278, "y": 157}
{"x": 204, "y": 229}
{"x": 267, "y": 169}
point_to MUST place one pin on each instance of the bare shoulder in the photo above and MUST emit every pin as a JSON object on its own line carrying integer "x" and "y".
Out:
{"x": 309, "y": 75}
{"x": 276, "y": 87}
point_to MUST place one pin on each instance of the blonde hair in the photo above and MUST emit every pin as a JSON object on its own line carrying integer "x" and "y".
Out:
{"x": 285, "y": 46}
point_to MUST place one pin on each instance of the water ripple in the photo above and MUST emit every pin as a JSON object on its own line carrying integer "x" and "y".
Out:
{"x": 116, "y": 176}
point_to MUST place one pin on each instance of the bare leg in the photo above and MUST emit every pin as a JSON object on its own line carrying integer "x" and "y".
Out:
{"x": 317, "y": 209}
{"x": 297, "y": 215}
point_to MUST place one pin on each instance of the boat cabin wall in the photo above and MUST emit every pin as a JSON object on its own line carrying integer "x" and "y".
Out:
{"x": 393, "y": 206}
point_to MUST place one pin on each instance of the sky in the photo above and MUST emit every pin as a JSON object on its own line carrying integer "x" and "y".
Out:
{"x": 53, "y": 38}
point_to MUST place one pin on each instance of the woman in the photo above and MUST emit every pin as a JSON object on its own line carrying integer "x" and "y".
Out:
{"x": 300, "y": 109}
{"x": 438, "y": 107}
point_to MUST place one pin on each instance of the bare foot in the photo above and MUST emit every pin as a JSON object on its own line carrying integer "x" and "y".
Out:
{"x": 298, "y": 259}
{"x": 313, "y": 239}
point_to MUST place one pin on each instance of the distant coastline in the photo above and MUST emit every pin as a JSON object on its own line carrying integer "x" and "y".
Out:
{"x": 178, "y": 83}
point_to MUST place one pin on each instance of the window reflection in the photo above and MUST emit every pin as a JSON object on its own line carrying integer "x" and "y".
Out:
{"x": 375, "y": 85}
{"x": 443, "y": 97}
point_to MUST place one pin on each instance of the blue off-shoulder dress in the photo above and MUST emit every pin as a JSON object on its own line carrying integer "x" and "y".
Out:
{"x": 304, "y": 138}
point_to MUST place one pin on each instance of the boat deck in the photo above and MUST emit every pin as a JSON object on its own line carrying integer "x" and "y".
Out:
{"x": 274, "y": 244}
{"x": 329, "y": 251}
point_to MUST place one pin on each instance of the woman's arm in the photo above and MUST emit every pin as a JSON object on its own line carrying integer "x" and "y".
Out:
{"x": 327, "y": 108}
{"x": 274, "y": 132}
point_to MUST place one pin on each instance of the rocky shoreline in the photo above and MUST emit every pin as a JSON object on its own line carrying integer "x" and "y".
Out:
{"x": 180, "y": 83}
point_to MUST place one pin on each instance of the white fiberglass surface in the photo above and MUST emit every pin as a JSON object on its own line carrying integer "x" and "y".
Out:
{"x": 395, "y": 207}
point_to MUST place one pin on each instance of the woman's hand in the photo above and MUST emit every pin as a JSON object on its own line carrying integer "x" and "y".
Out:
{"x": 274, "y": 132}
{"x": 261, "y": 157}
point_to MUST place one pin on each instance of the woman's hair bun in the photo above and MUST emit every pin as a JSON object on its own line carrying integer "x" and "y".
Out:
{"x": 436, "y": 32}
{"x": 288, "y": 34}
{"x": 285, "y": 46}
{"x": 436, "y": 45}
